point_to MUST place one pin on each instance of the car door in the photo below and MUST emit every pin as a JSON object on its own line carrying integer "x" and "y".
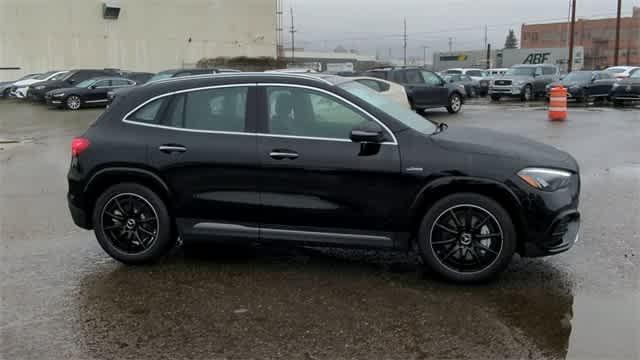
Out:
{"x": 601, "y": 84}
{"x": 316, "y": 185}
{"x": 418, "y": 91}
{"x": 436, "y": 88}
{"x": 97, "y": 92}
{"x": 204, "y": 147}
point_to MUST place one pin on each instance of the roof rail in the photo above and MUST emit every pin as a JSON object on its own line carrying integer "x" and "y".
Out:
{"x": 232, "y": 74}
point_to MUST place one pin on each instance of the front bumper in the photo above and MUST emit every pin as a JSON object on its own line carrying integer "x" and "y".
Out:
{"x": 507, "y": 90}
{"x": 52, "y": 100}
{"x": 624, "y": 93}
{"x": 560, "y": 237}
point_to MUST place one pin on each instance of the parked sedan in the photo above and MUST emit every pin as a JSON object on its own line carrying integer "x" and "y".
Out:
{"x": 471, "y": 87}
{"x": 387, "y": 88}
{"x": 5, "y": 87}
{"x": 20, "y": 88}
{"x": 626, "y": 90}
{"x": 92, "y": 92}
{"x": 328, "y": 162}
{"x": 73, "y": 77}
{"x": 583, "y": 86}
{"x": 621, "y": 72}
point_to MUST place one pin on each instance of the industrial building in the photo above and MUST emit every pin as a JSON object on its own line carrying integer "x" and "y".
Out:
{"x": 141, "y": 35}
{"x": 597, "y": 37}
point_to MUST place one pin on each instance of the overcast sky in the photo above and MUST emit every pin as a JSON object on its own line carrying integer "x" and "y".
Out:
{"x": 376, "y": 25}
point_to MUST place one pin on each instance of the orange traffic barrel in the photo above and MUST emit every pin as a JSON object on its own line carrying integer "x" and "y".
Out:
{"x": 558, "y": 103}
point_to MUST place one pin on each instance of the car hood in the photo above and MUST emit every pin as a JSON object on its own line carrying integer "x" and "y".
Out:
{"x": 514, "y": 77}
{"x": 494, "y": 143}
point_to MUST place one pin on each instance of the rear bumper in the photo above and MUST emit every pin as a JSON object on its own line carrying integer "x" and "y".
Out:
{"x": 79, "y": 215}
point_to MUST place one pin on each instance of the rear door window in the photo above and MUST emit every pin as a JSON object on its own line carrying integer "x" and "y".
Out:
{"x": 548, "y": 70}
{"x": 218, "y": 109}
{"x": 149, "y": 113}
{"x": 413, "y": 77}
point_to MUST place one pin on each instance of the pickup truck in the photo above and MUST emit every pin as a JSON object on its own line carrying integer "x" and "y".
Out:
{"x": 524, "y": 82}
{"x": 425, "y": 89}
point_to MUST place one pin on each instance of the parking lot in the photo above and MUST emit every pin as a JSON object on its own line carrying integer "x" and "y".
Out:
{"x": 63, "y": 297}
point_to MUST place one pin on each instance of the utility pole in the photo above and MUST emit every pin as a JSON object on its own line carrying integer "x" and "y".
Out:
{"x": 450, "y": 44}
{"x": 293, "y": 39}
{"x": 488, "y": 56}
{"x": 279, "y": 29}
{"x": 486, "y": 36}
{"x": 616, "y": 56}
{"x": 571, "y": 36}
{"x": 405, "y": 41}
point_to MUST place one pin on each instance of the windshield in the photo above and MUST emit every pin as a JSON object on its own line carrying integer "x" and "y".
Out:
{"x": 44, "y": 76}
{"x": 578, "y": 76}
{"x": 390, "y": 107}
{"x": 616, "y": 70}
{"x": 86, "y": 83}
{"x": 528, "y": 71}
{"x": 635, "y": 75}
{"x": 59, "y": 76}
{"x": 453, "y": 72}
{"x": 160, "y": 76}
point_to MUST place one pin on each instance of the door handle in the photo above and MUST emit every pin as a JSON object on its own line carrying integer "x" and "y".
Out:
{"x": 170, "y": 148}
{"x": 283, "y": 154}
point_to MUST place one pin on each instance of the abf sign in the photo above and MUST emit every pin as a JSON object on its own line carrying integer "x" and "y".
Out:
{"x": 537, "y": 58}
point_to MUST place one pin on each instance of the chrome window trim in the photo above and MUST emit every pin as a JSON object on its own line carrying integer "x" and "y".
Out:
{"x": 238, "y": 74}
{"x": 361, "y": 110}
{"x": 132, "y": 122}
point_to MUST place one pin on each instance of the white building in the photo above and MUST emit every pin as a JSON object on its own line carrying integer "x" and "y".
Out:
{"x": 146, "y": 35}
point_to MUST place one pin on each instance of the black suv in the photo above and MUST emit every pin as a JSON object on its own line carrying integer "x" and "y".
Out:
{"x": 425, "y": 89}
{"x": 314, "y": 160}
{"x": 73, "y": 77}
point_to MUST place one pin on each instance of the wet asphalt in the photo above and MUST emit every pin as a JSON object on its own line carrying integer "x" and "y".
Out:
{"x": 62, "y": 297}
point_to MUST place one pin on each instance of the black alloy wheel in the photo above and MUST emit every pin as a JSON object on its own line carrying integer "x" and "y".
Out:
{"x": 467, "y": 237}
{"x": 132, "y": 224}
{"x": 455, "y": 103}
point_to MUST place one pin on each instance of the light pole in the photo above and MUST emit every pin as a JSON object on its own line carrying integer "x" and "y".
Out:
{"x": 425, "y": 55}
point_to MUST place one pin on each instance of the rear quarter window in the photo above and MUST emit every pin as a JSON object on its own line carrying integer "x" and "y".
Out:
{"x": 149, "y": 113}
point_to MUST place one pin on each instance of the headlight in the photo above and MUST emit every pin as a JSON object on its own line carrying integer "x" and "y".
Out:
{"x": 520, "y": 82}
{"x": 615, "y": 85}
{"x": 545, "y": 179}
{"x": 40, "y": 87}
{"x": 58, "y": 95}
{"x": 461, "y": 87}
{"x": 575, "y": 88}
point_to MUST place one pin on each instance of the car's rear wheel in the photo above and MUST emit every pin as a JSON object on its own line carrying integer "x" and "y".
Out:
{"x": 455, "y": 103}
{"x": 132, "y": 224}
{"x": 73, "y": 102}
{"x": 467, "y": 238}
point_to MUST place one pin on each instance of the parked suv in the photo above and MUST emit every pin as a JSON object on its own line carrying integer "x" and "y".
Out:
{"x": 425, "y": 89}
{"x": 314, "y": 160}
{"x": 73, "y": 77}
{"x": 524, "y": 81}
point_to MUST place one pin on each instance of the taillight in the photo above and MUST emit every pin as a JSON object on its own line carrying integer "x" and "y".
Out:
{"x": 78, "y": 145}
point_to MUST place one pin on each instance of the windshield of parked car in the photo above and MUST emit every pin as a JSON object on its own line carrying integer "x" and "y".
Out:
{"x": 44, "y": 76}
{"x": 578, "y": 76}
{"x": 528, "y": 71}
{"x": 476, "y": 73}
{"x": 59, "y": 76}
{"x": 616, "y": 70}
{"x": 86, "y": 83}
{"x": 453, "y": 72}
{"x": 160, "y": 76}
{"x": 635, "y": 75}
{"x": 390, "y": 107}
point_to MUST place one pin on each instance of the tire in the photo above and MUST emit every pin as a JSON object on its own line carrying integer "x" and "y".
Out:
{"x": 472, "y": 252}
{"x": 455, "y": 103}
{"x": 495, "y": 97}
{"x": 527, "y": 94}
{"x": 473, "y": 93}
{"x": 73, "y": 102}
{"x": 113, "y": 213}
{"x": 618, "y": 103}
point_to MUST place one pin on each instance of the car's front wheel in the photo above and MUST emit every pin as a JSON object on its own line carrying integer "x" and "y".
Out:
{"x": 73, "y": 102}
{"x": 455, "y": 103}
{"x": 467, "y": 237}
{"x": 132, "y": 224}
{"x": 527, "y": 93}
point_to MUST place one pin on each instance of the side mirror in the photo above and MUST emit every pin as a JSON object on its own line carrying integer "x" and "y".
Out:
{"x": 368, "y": 132}
{"x": 71, "y": 81}
{"x": 92, "y": 87}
